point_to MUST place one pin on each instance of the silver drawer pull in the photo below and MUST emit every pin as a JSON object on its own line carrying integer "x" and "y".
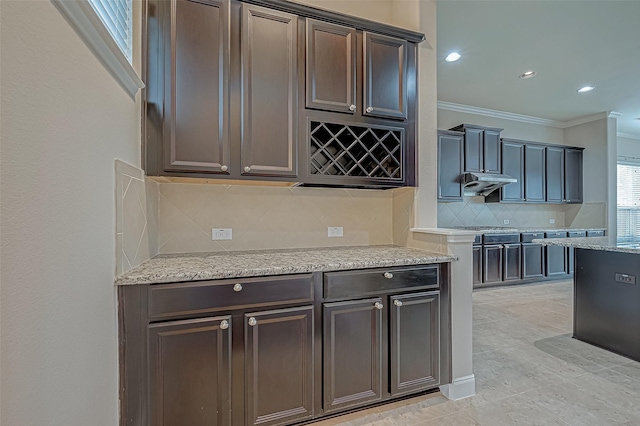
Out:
{"x": 252, "y": 321}
{"x": 224, "y": 324}
{"x": 224, "y": 168}
{"x": 378, "y": 305}
{"x": 369, "y": 109}
{"x": 352, "y": 108}
{"x": 237, "y": 287}
{"x": 397, "y": 303}
{"x": 247, "y": 169}
{"x": 388, "y": 275}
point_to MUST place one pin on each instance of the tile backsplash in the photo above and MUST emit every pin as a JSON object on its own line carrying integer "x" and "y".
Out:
{"x": 473, "y": 211}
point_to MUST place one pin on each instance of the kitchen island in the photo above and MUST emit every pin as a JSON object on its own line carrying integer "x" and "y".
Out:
{"x": 606, "y": 293}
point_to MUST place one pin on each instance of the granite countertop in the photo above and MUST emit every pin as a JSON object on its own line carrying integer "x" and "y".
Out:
{"x": 507, "y": 230}
{"x": 209, "y": 266}
{"x": 594, "y": 243}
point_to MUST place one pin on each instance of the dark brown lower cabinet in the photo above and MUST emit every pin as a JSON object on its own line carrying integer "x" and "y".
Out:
{"x": 492, "y": 261}
{"x": 414, "y": 336}
{"x": 190, "y": 372}
{"x": 532, "y": 260}
{"x": 279, "y": 366}
{"x": 557, "y": 261}
{"x": 352, "y": 339}
{"x": 511, "y": 264}
{"x": 477, "y": 265}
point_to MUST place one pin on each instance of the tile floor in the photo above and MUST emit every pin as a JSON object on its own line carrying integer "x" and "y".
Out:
{"x": 528, "y": 369}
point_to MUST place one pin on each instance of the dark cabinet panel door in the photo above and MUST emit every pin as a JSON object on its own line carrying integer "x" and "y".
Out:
{"x": 477, "y": 265}
{"x": 414, "y": 338}
{"x": 269, "y": 92}
{"x": 512, "y": 262}
{"x": 532, "y": 260}
{"x": 473, "y": 152}
{"x": 352, "y": 346}
{"x": 573, "y": 176}
{"x": 571, "y": 259}
{"x": 491, "y": 151}
{"x": 190, "y": 372}
{"x": 513, "y": 165}
{"x": 450, "y": 167}
{"x": 492, "y": 263}
{"x": 196, "y": 94}
{"x": 331, "y": 67}
{"x": 279, "y": 366}
{"x": 534, "y": 171}
{"x": 556, "y": 261}
{"x": 555, "y": 175}
{"x": 385, "y": 76}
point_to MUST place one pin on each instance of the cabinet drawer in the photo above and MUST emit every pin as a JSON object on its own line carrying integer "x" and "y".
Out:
{"x": 556, "y": 235}
{"x": 527, "y": 237}
{"x": 595, "y": 233}
{"x": 375, "y": 281}
{"x": 577, "y": 234}
{"x": 167, "y": 300}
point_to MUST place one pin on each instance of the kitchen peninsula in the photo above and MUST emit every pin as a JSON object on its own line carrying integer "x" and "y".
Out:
{"x": 606, "y": 293}
{"x": 206, "y": 337}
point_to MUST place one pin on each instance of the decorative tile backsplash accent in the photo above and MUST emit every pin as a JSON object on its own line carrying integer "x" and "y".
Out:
{"x": 473, "y": 211}
{"x": 136, "y": 217}
{"x": 264, "y": 217}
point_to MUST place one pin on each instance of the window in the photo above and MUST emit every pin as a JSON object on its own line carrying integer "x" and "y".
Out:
{"x": 628, "y": 201}
{"x": 116, "y": 17}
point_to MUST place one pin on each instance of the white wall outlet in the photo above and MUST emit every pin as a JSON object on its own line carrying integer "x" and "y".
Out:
{"x": 221, "y": 234}
{"x": 506, "y": 221}
{"x": 335, "y": 231}
{"x": 552, "y": 221}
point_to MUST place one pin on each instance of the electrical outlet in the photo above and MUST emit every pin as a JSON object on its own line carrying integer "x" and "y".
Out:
{"x": 334, "y": 231}
{"x": 506, "y": 221}
{"x": 221, "y": 234}
{"x": 552, "y": 221}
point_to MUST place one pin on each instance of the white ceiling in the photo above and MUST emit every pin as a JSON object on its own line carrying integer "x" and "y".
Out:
{"x": 568, "y": 43}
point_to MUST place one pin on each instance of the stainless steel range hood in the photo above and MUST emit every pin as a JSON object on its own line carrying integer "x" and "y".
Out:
{"x": 484, "y": 183}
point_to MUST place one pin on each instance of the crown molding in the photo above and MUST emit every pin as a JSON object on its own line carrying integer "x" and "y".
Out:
{"x": 614, "y": 114}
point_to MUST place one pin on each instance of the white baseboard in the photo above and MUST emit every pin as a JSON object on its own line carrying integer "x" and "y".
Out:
{"x": 462, "y": 387}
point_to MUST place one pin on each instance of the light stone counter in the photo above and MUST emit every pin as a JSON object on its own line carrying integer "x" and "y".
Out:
{"x": 507, "y": 230}
{"x": 593, "y": 243}
{"x": 210, "y": 266}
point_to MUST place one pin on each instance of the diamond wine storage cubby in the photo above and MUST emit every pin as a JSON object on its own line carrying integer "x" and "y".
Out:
{"x": 356, "y": 151}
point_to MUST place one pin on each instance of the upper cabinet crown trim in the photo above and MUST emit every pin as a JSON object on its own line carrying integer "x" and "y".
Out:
{"x": 339, "y": 18}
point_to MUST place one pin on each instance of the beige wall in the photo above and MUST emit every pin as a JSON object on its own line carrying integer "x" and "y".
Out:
{"x": 375, "y": 10}
{"x": 63, "y": 122}
{"x": 628, "y": 147}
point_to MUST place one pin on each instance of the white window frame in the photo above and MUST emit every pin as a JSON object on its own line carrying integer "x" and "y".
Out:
{"x": 86, "y": 22}
{"x": 627, "y": 161}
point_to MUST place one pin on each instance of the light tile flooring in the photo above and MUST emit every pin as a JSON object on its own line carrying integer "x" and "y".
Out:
{"x": 528, "y": 369}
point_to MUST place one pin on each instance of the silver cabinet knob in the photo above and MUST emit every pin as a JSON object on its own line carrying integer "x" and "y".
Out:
{"x": 369, "y": 109}
{"x": 237, "y": 287}
{"x": 252, "y": 321}
{"x": 247, "y": 169}
{"x": 352, "y": 108}
{"x": 378, "y": 305}
{"x": 397, "y": 303}
{"x": 388, "y": 275}
{"x": 224, "y": 324}
{"x": 224, "y": 168}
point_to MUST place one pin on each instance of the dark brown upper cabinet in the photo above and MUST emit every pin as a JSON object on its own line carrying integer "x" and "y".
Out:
{"x": 513, "y": 165}
{"x": 331, "y": 67}
{"x": 481, "y": 148}
{"x": 269, "y": 91}
{"x": 555, "y": 175}
{"x": 564, "y": 175}
{"x": 385, "y": 76}
{"x": 534, "y": 173}
{"x": 196, "y": 96}
{"x": 450, "y": 165}
{"x": 573, "y": 175}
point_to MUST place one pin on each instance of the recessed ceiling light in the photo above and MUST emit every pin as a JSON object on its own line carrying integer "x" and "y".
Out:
{"x": 452, "y": 57}
{"x": 528, "y": 74}
{"x": 585, "y": 89}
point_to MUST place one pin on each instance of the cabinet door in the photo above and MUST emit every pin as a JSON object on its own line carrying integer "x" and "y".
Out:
{"x": 331, "y": 67}
{"x": 473, "y": 152}
{"x": 491, "y": 151}
{"x": 513, "y": 165}
{"x": 385, "y": 76}
{"x": 555, "y": 175}
{"x": 556, "y": 261}
{"x": 571, "y": 259}
{"x": 477, "y": 265}
{"x": 573, "y": 176}
{"x": 269, "y": 91}
{"x": 534, "y": 173}
{"x": 279, "y": 366}
{"x": 450, "y": 154}
{"x": 196, "y": 100}
{"x": 352, "y": 345}
{"x": 492, "y": 263}
{"x": 532, "y": 260}
{"x": 414, "y": 338}
{"x": 190, "y": 372}
{"x": 511, "y": 270}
